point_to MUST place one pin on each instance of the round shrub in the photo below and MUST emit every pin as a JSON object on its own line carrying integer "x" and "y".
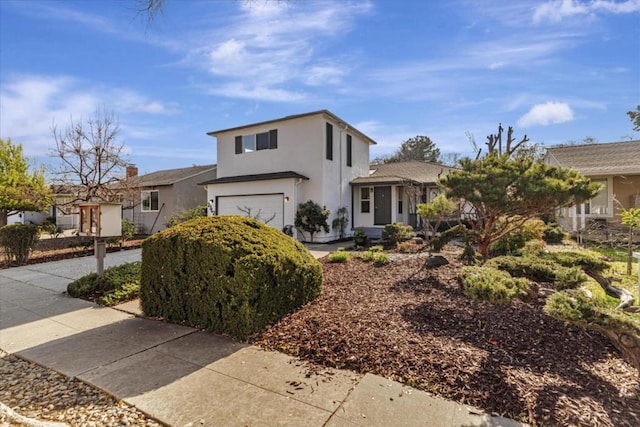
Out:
{"x": 228, "y": 274}
{"x": 18, "y": 241}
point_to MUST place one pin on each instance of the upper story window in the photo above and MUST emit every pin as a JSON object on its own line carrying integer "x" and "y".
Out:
{"x": 149, "y": 200}
{"x": 329, "y": 144}
{"x": 349, "y": 153}
{"x": 257, "y": 142}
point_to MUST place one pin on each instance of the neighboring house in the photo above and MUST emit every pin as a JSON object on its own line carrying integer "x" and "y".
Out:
{"x": 391, "y": 193}
{"x": 157, "y": 196}
{"x": 615, "y": 166}
{"x": 267, "y": 169}
{"x": 64, "y": 210}
{"x": 27, "y": 217}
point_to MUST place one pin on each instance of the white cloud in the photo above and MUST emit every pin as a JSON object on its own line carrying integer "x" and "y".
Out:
{"x": 32, "y": 104}
{"x": 271, "y": 46}
{"x": 265, "y": 93}
{"x": 547, "y": 114}
{"x": 556, "y": 10}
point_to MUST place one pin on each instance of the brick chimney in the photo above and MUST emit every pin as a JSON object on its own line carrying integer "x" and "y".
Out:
{"x": 132, "y": 171}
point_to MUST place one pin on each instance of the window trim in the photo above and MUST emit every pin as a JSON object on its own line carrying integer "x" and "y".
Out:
{"x": 365, "y": 201}
{"x": 271, "y": 142}
{"x": 143, "y": 197}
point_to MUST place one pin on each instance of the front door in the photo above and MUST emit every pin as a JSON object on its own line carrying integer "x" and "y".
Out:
{"x": 382, "y": 205}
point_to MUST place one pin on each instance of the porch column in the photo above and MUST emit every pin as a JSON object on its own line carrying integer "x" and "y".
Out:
{"x": 572, "y": 217}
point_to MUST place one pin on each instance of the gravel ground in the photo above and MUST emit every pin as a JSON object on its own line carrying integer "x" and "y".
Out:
{"x": 31, "y": 395}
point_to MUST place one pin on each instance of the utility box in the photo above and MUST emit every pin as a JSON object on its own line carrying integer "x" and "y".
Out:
{"x": 100, "y": 219}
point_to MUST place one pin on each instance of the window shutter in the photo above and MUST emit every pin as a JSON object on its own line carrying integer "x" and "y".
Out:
{"x": 238, "y": 144}
{"x": 348, "y": 150}
{"x": 329, "y": 141}
{"x": 273, "y": 139}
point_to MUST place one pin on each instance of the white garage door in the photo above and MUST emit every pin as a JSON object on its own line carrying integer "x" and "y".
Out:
{"x": 268, "y": 208}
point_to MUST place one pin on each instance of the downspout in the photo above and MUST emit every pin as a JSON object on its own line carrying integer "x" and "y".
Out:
{"x": 346, "y": 127}
{"x": 156, "y": 220}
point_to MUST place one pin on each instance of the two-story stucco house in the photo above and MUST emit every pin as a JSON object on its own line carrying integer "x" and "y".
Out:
{"x": 267, "y": 169}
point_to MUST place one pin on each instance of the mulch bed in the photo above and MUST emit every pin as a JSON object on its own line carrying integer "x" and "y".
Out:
{"x": 415, "y": 325}
{"x": 56, "y": 249}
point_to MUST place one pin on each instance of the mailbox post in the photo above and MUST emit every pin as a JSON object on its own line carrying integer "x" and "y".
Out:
{"x": 637, "y": 256}
{"x": 100, "y": 220}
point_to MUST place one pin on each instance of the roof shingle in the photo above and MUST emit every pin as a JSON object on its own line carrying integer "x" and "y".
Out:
{"x": 415, "y": 171}
{"x": 170, "y": 176}
{"x": 614, "y": 158}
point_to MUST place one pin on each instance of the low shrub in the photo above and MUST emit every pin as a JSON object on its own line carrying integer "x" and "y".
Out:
{"x": 49, "y": 226}
{"x": 18, "y": 241}
{"x": 184, "y": 216}
{"x": 515, "y": 241}
{"x": 397, "y": 232}
{"x": 571, "y": 305}
{"x": 117, "y": 285}
{"x": 491, "y": 284}
{"x": 227, "y": 274}
{"x": 408, "y": 247}
{"x": 376, "y": 248}
{"x": 539, "y": 269}
{"x": 553, "y": 233}
{"x": 366, "y": 256}
{"x": 380, "y": 258}
{"x": 571, "y": 258}
{"x": 339, "y": 256}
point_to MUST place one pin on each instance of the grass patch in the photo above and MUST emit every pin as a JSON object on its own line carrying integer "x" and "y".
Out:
{"x": 117, "y": 285}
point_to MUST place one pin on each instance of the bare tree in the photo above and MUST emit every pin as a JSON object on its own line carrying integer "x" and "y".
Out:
{"x": 91, "y": 160}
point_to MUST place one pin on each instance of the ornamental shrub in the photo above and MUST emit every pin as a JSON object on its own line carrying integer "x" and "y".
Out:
{"x": 187, "y": 215}
{"x": 227, "y": 274}
{"x": 397, "y": 232}
{"x": 116, "y": 285}
{"x": 491, "y": 284}
{"x": 18, "y": 241}
{"x": 540, "y": 269}
{"x": 516, "y": 240}
{"x": 311, "y": 218}
{"x": 340, "y": 256}
{"x": 553, "y": 233}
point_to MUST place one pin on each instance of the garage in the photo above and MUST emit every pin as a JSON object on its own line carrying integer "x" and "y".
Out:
{"x": 268, "y": 208}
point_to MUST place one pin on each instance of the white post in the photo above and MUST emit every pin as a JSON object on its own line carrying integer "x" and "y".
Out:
{"x": 99, "y": 251}
{"x": 637, "y": 255}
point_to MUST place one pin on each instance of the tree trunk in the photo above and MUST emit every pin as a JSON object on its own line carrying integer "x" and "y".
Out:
{"x": 625, "y": 297}
{"x": 3, "y": 217}
{"x": 628, "y": 343}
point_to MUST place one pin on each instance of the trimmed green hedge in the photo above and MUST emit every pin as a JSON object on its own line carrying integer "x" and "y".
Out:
{"x": 227, "y": 274}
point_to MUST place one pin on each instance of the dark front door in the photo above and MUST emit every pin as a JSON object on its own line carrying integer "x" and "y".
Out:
{"x": 381, "y": 205}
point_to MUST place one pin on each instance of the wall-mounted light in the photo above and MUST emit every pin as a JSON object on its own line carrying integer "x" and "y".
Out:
{"x": 286, "y": 198}
{"x": 211, "y": 206}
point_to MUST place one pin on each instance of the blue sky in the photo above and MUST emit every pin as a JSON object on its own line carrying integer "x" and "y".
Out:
{"x": 557, "y": 70}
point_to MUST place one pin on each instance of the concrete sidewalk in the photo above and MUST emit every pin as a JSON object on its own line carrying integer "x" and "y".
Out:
{"x": 183, "y": 376}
